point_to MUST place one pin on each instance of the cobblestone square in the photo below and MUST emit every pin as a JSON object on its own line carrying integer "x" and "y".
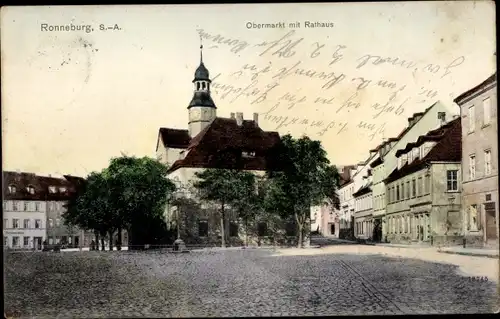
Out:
{"x": 230, "y": 283}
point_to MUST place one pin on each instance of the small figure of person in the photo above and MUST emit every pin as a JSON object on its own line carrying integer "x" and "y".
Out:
{"x": 92, "y": 245}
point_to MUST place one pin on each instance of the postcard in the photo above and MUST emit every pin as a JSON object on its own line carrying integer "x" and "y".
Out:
{"x": 305, "y": 159}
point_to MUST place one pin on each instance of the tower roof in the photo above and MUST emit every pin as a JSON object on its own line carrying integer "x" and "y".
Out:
{"x": 202, "y": 98}
{"x": 201, "y": 73}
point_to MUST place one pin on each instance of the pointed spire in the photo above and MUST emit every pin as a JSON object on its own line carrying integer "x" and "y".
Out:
{"x": 201, "y": 50}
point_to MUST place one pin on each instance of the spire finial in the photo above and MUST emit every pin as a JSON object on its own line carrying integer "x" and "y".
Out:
{"x": 201, "y": 49}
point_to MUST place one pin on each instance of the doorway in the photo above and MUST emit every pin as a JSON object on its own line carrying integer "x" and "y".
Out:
{"x": 332, "y": 229}
{"x": 491, "y": 224}
{"x": 377, "y": 230}
{"x": 37, "y": 242}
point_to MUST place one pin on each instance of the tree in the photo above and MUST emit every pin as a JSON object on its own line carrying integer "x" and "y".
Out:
{"x": 90, "y": 209}
{"x": 130, "y": 193}
{"x": 249, "y": 203}
{"x": 225, "y": 187}
{"x": 305, "y": 179}
{"x": 139, "y": 190}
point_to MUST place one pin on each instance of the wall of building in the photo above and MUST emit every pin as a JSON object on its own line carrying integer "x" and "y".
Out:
{"x": 15, "y": 209}
{"x": 428, "y": 122}
{"x": 483, "y": 137}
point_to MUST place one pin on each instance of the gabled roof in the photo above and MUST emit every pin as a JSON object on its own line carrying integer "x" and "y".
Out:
{"x": 447, "y": 149}
{"x": 40, "y": 184}
{"x": 434, "y": 135}
{"x": 492, "y": 79}
{"x": 223, "y": 137}
{"x": 365, "y": 189}
{"x": 174, "y": 138}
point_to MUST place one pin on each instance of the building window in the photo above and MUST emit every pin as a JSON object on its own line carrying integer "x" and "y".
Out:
{"x": 30, "y": 189}
{"x": 26, "y": 241}
{"x": 26, "y": 206}
{"x": 402, "y": 190}
{"x": 486, "y": 111}
{"x": 427, "y": 185}
{"x": 52, "y": 189}
{"x": 472, "y": 119}
{"x": 408, "y": 190}
{"x": 248, "y": 154}
{"x": 472, "y": 167}
{"x": 62, "y": 189}
{"x": 15, "y": 241}
{"x": 15, "y": 223}
{"x": 473, "y": 218}
{"x": 51, "y": 241}
{"x": 233, "y": 229}
{"x": 420, "y": 184}
{"x": 58, "y": 222}
{"x": 5, "y": 241}
{"x": 203, "y": 228}
{"x": 262, "y": 229}
{"x": 397, "y": 192}
{"x": 26, "y": 224}
{"x": 413, "y": 188}
{"x": 14, "y": 205}
{"x": 487, "y": 162}
{"x": 452, "y": 180}
{"x": 37, "y": 206}
{"x": 38, "y": 223}
{"x": 51, "y": 223}
{"x": 488, "y": 197}
{"x": 5, "y": 223}
{"x": 12, "y": 189}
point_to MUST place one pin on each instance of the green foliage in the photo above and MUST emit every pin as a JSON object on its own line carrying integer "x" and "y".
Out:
{"x": 306, "y": 179}
{"x": 130, "y": 193}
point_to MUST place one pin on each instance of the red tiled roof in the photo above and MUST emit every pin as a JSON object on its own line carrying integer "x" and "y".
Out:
{"x": 40, "y": 184}
{"x": 475, "y": 89}
{"x": 447, "y": 149}
{"x": 174, "y": 138}
{"x": 223, "y": 138}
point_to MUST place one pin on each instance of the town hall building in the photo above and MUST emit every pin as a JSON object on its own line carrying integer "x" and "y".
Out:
{"x": 212, "y": 142}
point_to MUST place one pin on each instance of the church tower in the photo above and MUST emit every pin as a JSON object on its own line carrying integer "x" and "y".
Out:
{"x": 202, "y": 109}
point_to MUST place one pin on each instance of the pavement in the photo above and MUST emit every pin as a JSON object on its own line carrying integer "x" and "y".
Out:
{"x": 334, "y": 280}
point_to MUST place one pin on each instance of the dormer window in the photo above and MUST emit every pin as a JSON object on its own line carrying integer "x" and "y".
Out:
{"x": 30, "y": 189}
{"x": 12, "y": 189}
{"x": 410, "y": 157}
{"x": 248, "y": 154}
{"x": 62, "y": 189}
{"x": 416, "y": 152}
{"x": 404, "y": 159}
{"x": 52, "y": 189}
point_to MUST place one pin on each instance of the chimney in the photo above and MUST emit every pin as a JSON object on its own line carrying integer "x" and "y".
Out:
{"x": 442, "y": 118}
{"x": 239, "y": 118}
{"x": 232, "y": 115}
{"x": 411, "y": 120}
{"x": 256, "y": 119}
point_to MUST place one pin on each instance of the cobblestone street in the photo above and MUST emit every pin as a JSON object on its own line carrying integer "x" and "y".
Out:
{"x": 256, "y": 282}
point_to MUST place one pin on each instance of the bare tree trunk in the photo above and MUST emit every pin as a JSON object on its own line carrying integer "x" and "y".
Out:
{"x": 111, "y": 240}
{"x": 96, "y": 240}
{"x": 246, "y": 232}
{"x": 223, "y": 226}
{"x": 300, "y": 226}
{"x": 119, "y": 241}
{"x": 102, "y": 243}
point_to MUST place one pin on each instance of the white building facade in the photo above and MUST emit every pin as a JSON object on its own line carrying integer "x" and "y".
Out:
{"x": 419, "y": 124}
{"x": 24, "y": 223}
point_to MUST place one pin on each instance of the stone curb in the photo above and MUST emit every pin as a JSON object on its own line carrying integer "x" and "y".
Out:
{"x": 468, "y": 254}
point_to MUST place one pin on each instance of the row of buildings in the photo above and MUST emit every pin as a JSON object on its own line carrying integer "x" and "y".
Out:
{"x": 33, "y": 208}
{"x": 435, "y": 183}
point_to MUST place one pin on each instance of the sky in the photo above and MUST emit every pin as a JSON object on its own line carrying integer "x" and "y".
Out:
{"x": 72, "y": 100}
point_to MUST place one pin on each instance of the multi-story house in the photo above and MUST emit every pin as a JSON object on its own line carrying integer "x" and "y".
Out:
{"x": 346, "y": 209}
{"x": 418, "y": 124}
{"x": 33, "y": 208}
{"x": 424, "y": 191}
{"x": 24, "y": 210}
{"x": 480, "y": 162}
{"x": 329, "y": 224}
{"x": 363, "y": 222}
